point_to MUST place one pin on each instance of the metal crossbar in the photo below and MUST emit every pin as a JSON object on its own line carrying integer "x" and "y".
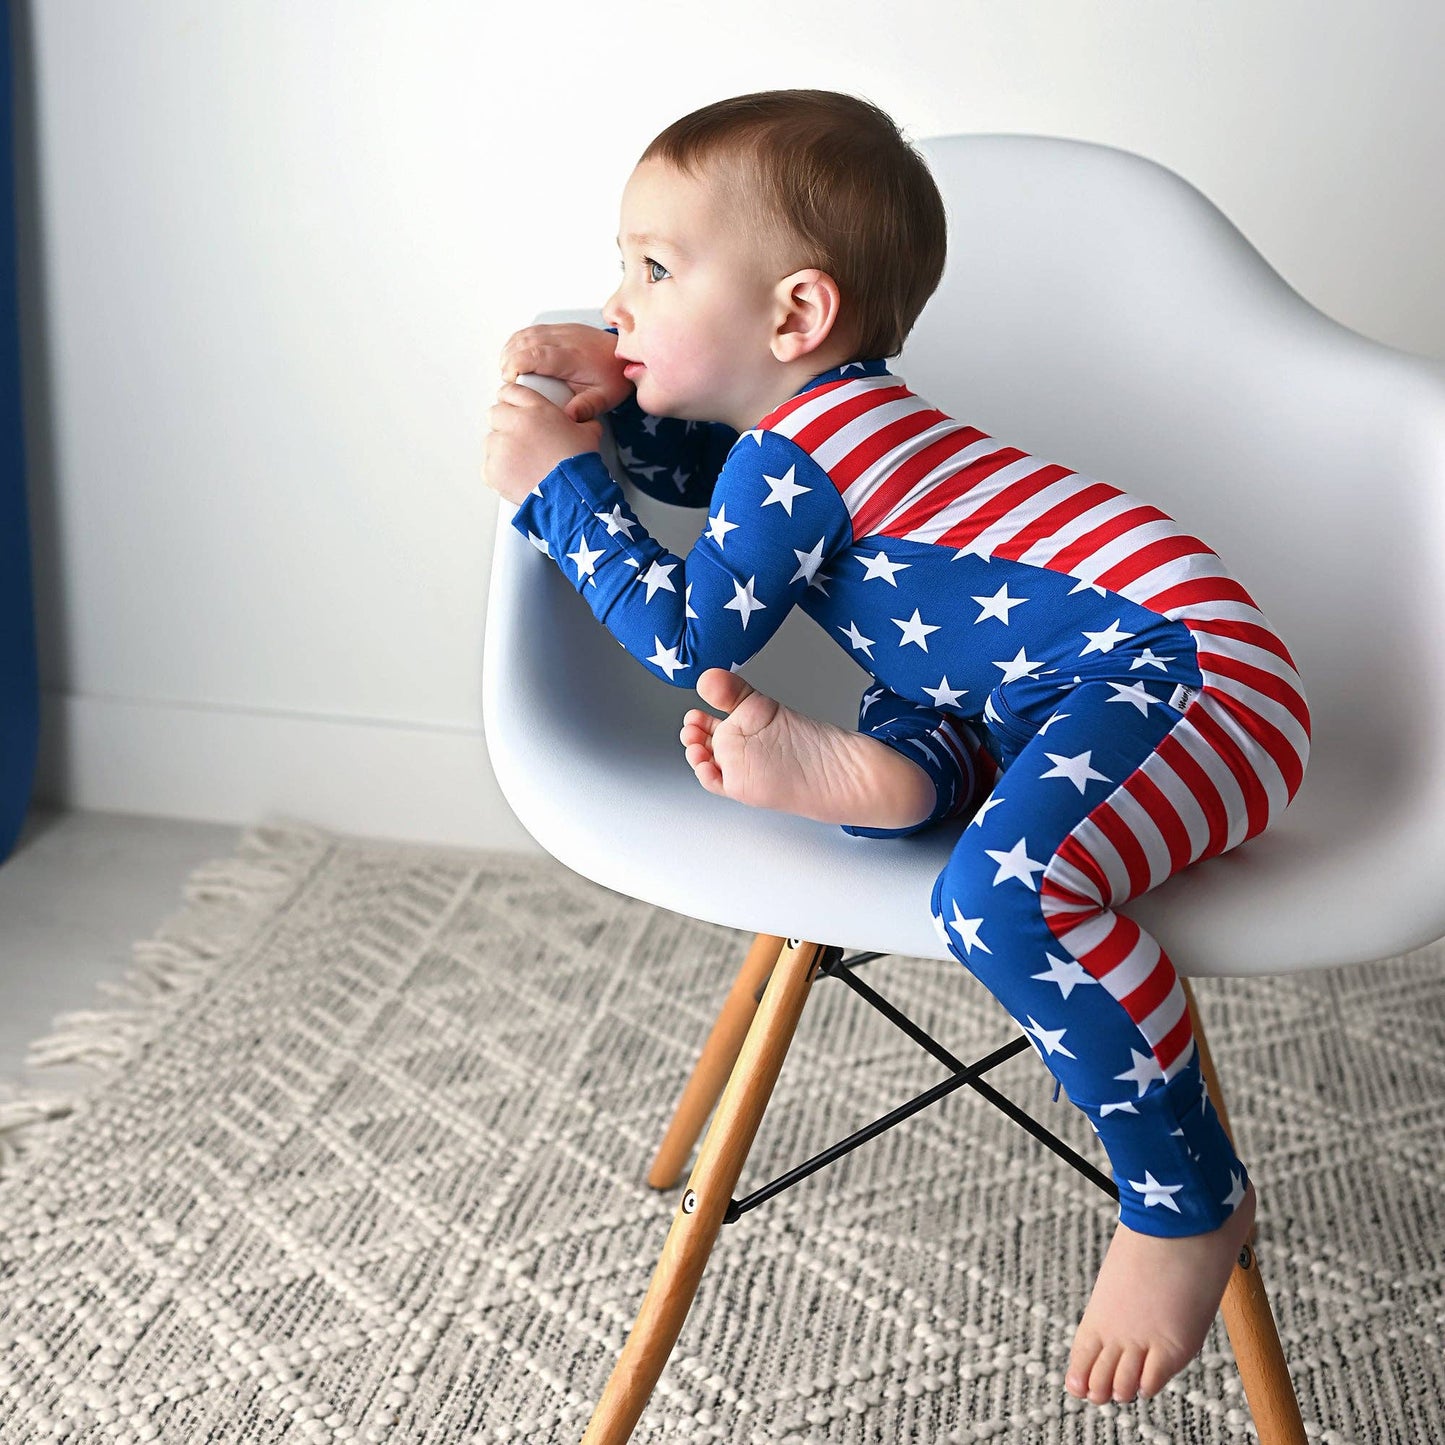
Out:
{"x": 834, "y": 965}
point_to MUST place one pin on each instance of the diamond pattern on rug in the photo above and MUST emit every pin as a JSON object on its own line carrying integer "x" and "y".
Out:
{"x": 368, "y": 1165}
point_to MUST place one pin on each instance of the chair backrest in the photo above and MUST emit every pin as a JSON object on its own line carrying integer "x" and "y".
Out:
{"x": 1098, "y": 311}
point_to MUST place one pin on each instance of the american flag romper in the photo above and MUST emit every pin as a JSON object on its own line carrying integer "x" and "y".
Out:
{"x": 1069, "y": 666}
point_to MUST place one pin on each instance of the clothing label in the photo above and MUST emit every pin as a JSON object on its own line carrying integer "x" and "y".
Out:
{"x": 1182, "y": 697}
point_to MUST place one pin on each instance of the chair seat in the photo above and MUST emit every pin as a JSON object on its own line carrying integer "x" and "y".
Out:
{"x": 1099, "y": 311}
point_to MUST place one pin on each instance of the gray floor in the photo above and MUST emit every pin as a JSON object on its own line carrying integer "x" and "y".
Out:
{"x": 78, "y": 890}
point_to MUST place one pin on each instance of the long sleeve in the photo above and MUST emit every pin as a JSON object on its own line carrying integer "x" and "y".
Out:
{"x": 670, "y": 459}
{"x": 776, "y": 520}
{"x": 943, "y": 745}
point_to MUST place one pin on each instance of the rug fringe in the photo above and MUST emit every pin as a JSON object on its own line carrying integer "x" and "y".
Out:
{"x": 230, "y": 897}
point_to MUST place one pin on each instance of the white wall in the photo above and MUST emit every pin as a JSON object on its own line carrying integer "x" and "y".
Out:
{"x": 273, "y": 250}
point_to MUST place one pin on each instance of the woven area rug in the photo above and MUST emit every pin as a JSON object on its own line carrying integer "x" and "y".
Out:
{"x": 365, "y": 1158}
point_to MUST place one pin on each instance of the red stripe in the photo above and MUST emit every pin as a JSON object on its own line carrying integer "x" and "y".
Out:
{"x": 1250, "y": 632}
{"x": 896, "y": 486}
{"x": 1051, "y": 889}
{"x": 1155, "y": 802}
{"x": 1256, "y": 801}
{"x": 1102, "y": 535}
{"x": 1013, "y": 495}
{"x": 1126, "y": 845}
{"x": 1174, "y": 1043}
{"x": 793, "y": 403}
{"x": 1201, "y": 787}
{"x": 1146, "y": 559}
{"x": 1059, "y": 515}
{"x": 1141, "y": 1001}
{"x": 1074, "y": 853}
{"x": 1115, "y": 947}
{"x": 817, "y": 431}
{"x": 880, "y": 443}
{"x": 1260, "y": 680}
{"x": 950, "y": 488}
{"x": 1199, "y": 589}
{"x": 1270, "y": 739}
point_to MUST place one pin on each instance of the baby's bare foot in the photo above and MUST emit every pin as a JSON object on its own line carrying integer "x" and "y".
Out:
{"x": 1151, "y": 1308}
{"x": 768, "y": 756}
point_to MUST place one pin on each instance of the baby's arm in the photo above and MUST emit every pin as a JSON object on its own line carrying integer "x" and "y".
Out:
{"x": 777, "y": 519}
{"x": 942, "y": 744}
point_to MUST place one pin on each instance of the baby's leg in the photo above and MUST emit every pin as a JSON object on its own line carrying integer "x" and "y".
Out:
{"x": 1026, "y": 903}
{"x": 769, "y": 756}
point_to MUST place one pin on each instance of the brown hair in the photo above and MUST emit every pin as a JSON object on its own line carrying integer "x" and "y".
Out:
{"x": 840, "y": 189}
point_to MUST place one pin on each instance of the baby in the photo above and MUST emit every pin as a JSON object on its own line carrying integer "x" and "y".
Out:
{"x": 1051, "y": 657}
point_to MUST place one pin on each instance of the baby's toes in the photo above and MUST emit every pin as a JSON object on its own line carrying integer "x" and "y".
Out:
{"x": 1126, "y": 1376}
{"x": 1101, "y": 1377}
{"x": 1081, "y": 1362}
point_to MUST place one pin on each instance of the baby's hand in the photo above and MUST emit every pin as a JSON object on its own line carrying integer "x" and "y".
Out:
{"x": 529, "y": 436}
{"x": 582, "y": 356}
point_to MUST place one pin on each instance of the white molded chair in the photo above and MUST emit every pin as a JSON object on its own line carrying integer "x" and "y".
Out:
{"x": 1099, "y": 311}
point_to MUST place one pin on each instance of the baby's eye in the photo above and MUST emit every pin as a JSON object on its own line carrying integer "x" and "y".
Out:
{"x": 653, "y": 267}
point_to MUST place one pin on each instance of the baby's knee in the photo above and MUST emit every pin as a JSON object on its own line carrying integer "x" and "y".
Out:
{"x": 975, "y": 918}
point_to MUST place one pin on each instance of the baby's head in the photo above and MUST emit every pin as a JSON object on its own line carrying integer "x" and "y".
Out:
{"x": 765, "y": 239}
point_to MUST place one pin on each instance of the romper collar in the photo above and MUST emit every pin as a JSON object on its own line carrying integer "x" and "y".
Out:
{"x": 849, "y": 370}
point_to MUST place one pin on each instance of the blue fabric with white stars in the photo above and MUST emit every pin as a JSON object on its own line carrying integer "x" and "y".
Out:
{"x": 997, "y": 646}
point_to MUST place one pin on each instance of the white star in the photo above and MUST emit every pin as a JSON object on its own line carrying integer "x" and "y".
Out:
{"x": 849, "y": 365}
{"x": 967, "y": 930}
{"x": 943, "y": 695}
{"x": 687, "y": 602}
{"x": 998, "y": 605}
{"x": 869, "y": 698}
{"x": 783, "y": 489}
{"x": 1091, "y": 586}
{"x": 1068, "y": 973}
{"x": 977, "y": 548}
{"x": 1156, "y": 1193}
{"x": 756, "y": 434}
{"x": 635, "y": 466}
{"x": 856, "y": 638}
{"x": 992, "y": 801}
{"x": 718, "y": 527}
{"x": 1236, "y": 1190}
{"x": 540, "y": 543}
{"x": 1126, "y": 1107}
{"x": 649, "y": 424}
{"x": 1107, "y": 640}
{"x": 584, "y": 558}
{"x": 1049, "y": 1038}
{"x": 808, "y": 562}
{"x": 1150, "y": 659}
{"x": 1075, "y": 769}
{"x": 1057, "y": 717}
{"x": 881, "y": 565}
{"x": 1144, "y": 1071}
{"x": 744, "y": 602}
{"x": 1135, "y": 693}
{"x": 1019, "y": 667}
{"x": 1016, "y": 863}
{"x": 915, "y": 630}
{"x": 658, "y": 575}
{"x": 679, "y": 478}
{"x": 665, "y": 657}
{"x": 615, "y": 522}
{"x": 818, "y": 581}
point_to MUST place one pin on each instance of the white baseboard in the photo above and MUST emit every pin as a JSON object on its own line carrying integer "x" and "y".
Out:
{"x": 370, "y": 779}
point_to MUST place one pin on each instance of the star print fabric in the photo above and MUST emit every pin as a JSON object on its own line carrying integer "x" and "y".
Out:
{"x": 1031, "y": 634}
{"x": 1101, "y": 1025}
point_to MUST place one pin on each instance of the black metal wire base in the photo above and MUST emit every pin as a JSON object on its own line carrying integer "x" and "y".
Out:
{"x": 834, "y": 965}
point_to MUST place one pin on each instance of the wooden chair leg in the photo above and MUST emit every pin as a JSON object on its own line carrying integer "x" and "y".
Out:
{"x": 1248, "y": 1319}
{"x": 706, "y": 1198}
{"x": 714, "y": 1064}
